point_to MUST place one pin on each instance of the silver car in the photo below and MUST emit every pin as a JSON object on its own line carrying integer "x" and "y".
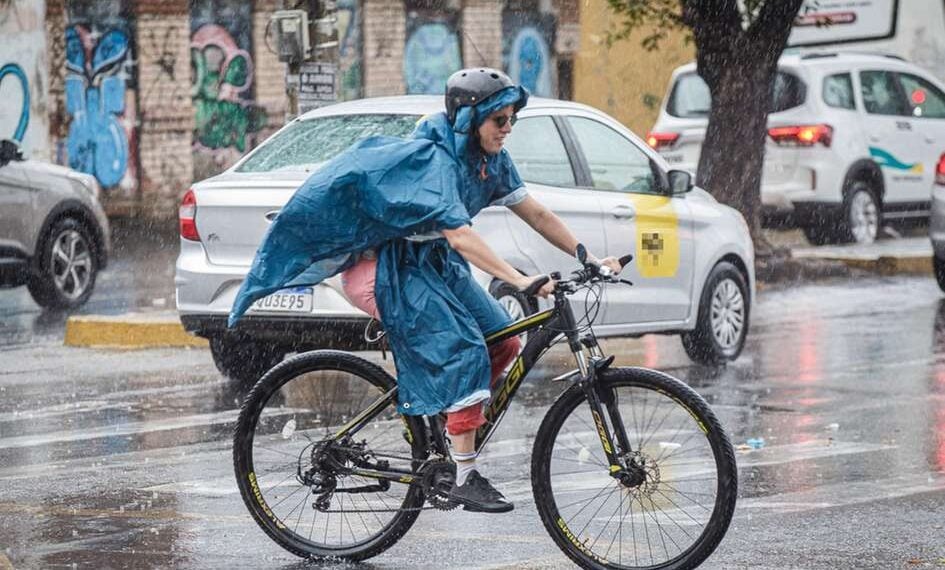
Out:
{"x": 693, "y": 268}
{"x": 54, "y": 235}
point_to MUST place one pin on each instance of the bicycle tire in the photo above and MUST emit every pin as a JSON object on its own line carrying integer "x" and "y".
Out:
{"x": 315, "y": 367}
{"x": 676, "y": 397}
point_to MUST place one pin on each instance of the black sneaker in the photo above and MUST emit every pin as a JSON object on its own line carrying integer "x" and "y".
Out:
{"x": 477, "y": 495}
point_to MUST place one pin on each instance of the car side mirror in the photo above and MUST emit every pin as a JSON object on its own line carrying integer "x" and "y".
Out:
{"x": 9, "y": 151}
{"x": 680, "y": 181}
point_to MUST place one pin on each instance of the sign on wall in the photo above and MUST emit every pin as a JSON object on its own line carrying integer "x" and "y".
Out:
{"x": 822, "y": 22}
{"x": 316, "y": 86}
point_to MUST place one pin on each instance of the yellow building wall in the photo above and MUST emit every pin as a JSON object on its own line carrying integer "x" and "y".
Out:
{"x": 626, "y": 81}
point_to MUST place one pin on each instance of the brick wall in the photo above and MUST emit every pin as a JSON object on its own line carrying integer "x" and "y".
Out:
{"x": 56, "y": 52}
{"x": 385, "y": 30}
{"x": 482, "y": 22}
{"x": 269, "y": 78}
{"x": 166, "y": 115}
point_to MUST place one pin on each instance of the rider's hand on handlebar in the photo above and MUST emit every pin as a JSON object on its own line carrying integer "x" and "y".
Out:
{"x": 546, "y": 289}
{"x": 613, "y": 263}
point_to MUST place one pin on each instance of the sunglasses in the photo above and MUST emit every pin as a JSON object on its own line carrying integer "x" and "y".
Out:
{"x": 501, "y": 120}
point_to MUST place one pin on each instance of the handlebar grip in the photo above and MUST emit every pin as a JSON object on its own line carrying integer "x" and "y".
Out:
{"x": 537, "y": 284}
{"x": 625, "y": 260}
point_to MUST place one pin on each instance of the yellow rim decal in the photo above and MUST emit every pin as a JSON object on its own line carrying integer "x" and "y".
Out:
{"x": 657, "y": 239}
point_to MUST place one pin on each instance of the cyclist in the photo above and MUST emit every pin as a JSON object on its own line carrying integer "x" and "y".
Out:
{"x": 395, "y": 217}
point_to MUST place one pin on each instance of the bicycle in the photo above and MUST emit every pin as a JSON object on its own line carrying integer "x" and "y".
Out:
{"x": 329, "y": 469}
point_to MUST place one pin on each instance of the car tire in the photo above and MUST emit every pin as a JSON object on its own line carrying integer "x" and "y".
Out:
{"x": 66, "y": 267}
{"x": 862, "y": 216}
{"x": 517, "y": 305}
{"x": 939, "y": 266}
{"x": 722, "y": 322}
{"x": 244, "y": 360}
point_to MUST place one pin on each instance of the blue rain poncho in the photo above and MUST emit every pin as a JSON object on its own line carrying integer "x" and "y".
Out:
{"x": 372, "y": 196}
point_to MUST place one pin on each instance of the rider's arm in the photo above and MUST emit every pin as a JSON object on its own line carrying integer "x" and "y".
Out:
{"x": 470, "y": 245}
{"x": 550, "y": 226}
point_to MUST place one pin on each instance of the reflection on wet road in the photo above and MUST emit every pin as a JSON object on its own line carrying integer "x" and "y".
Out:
{"x": 115, "y": 459}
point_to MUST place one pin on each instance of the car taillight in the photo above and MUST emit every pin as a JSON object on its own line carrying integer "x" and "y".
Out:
{"x": 802, "y": 135}
{"x": 940, "y": 171}
{"x": 188, "y": 217}
{"x": 661, "y": 140}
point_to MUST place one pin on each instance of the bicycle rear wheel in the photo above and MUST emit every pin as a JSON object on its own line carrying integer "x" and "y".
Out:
{"x": 677, "y": 516}
{"x": 297, "y": 486}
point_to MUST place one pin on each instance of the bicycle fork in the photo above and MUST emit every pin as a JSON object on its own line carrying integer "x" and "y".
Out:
{"x": 605, "y": 409}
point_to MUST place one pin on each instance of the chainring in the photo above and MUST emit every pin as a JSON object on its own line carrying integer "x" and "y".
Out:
{"x": 437, "y": 481}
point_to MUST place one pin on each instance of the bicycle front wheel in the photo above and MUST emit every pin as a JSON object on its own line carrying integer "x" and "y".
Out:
{"x": 295, "y": 476}
{"x": 676, "y": 516}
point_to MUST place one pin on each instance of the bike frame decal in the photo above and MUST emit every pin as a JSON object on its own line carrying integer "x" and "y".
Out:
{"x": 520, "y": 326}
{"x": 602, "y": 433}
{"x": 577, "y": 543}
{"x": 262, "y": 502}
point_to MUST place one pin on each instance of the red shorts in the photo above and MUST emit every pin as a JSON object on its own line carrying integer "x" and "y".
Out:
{"x": 358, "y": 284}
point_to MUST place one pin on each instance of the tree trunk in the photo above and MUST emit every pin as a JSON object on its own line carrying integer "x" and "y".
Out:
{"x": 732, "y": 158}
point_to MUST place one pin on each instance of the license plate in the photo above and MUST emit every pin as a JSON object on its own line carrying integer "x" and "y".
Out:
{"x": 295, "y": 300}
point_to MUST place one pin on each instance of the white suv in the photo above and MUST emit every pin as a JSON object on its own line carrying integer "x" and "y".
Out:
{"x": 853, "y": 139}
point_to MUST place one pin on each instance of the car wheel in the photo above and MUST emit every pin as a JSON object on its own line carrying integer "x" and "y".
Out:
{"x": 722, "y": 322}
{"x": 517, "y": 305}
{"x": 66, "y": 268}
{"x": 861, "y": 214}
{"x": 244, "y": 360}
{"x": 939, "y": 265}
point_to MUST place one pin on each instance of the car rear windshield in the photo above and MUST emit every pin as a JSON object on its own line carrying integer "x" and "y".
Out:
{"x": 690, "y": 97}
{"x": 303, "y": 145}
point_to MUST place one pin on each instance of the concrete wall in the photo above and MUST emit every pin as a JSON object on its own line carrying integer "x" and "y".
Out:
{"x": 625, "y": 80}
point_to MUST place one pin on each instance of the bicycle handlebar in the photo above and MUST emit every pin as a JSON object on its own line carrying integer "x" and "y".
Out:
{"x": 592, "y": 272}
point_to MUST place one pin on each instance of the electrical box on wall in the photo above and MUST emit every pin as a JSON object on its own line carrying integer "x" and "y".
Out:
{"x": 290, "y": 28}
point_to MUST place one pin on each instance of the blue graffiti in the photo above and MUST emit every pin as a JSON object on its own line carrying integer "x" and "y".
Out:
{"x": 95, "y": 97}
{"x": 17, "y": 71}
{"x": 430, "y": 56}
{"x": 530, "y": 62}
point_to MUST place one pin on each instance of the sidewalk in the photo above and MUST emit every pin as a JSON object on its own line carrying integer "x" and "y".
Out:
{"x": 144, "y": 322}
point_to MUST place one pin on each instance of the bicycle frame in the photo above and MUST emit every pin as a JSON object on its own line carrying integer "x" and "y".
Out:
{"x": 545, "y": 327}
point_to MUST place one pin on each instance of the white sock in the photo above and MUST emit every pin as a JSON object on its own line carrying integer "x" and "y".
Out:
{"x": 465, "y": 464}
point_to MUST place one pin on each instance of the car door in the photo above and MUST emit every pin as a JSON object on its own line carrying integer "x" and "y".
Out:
{"x": 16, "y": 209}
{"x": 639, "y": 218}
{"x": 928, "y": 111}
{"x": 893, "y": 138}
{"x": 543, "y": 162}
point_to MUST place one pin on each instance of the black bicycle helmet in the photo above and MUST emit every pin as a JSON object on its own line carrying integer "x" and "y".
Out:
{"x": 471, "y": 86}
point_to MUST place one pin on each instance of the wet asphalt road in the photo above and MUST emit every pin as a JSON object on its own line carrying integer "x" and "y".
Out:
{"x": 121, "y": 459}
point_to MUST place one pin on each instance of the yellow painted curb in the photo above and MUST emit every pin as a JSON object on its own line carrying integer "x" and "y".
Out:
{"x": 129, "y": 331}
{"x": 889, "y": 265}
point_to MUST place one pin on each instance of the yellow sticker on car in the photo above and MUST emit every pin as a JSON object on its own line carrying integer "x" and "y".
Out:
{"x": 657, "y": 239}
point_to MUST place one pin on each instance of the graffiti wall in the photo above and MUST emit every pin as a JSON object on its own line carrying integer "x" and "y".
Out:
{"x": 24, "y": 76}
{"x": 527, "y": 40}
{"x": 100, "y": 93}
{"x": 222, "y": 84}
{"x": 349, "y": 50}
{"x": 432, "y": 52}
